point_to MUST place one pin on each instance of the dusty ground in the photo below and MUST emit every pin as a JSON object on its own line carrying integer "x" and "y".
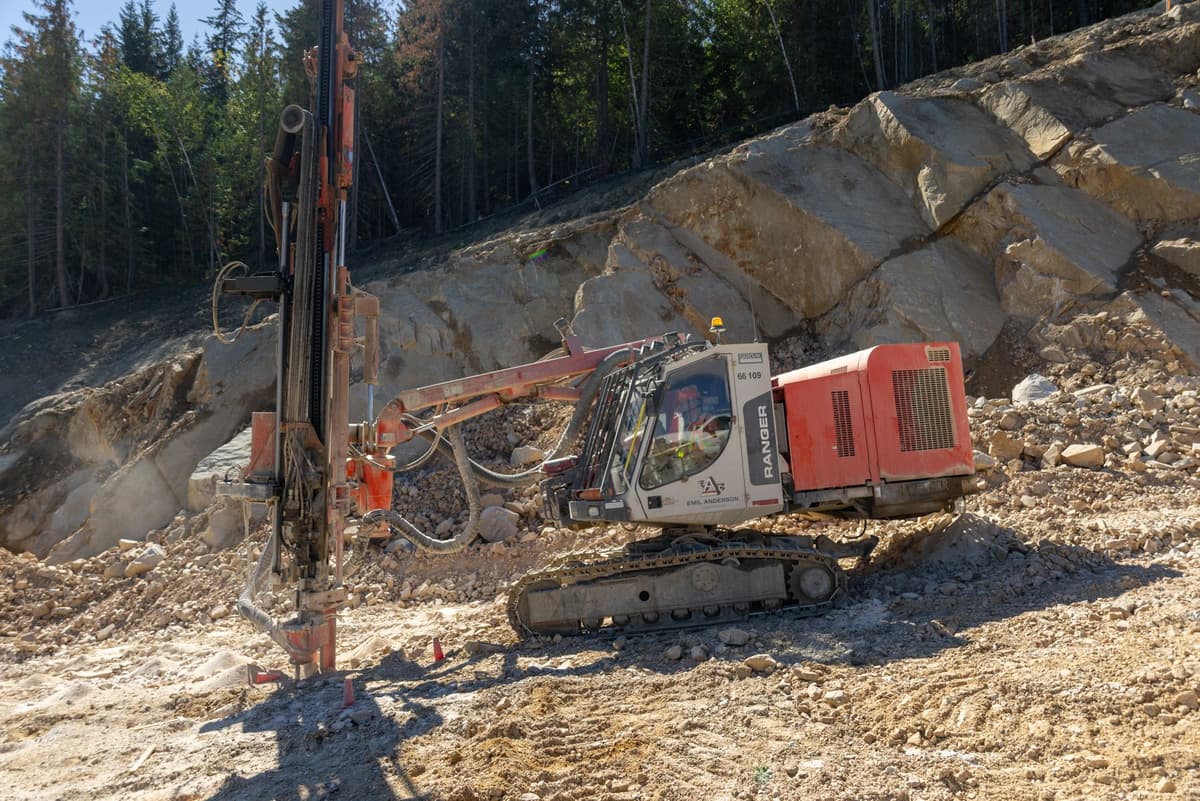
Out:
{"x": 991, "y": 662}
{"x": 1044, "y": 645}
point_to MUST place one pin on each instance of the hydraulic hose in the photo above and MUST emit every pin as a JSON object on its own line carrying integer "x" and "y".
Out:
{"x": 587, "y": 394}
{"x": 419, "y": 538}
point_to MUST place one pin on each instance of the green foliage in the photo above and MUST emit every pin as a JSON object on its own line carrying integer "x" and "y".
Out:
{"x": 470, "y": 106}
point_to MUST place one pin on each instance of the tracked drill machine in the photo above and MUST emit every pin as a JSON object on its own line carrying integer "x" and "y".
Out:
{"x": 694, "y": 438}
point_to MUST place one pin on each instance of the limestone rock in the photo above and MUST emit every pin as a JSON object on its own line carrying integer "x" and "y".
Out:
{"x": 984, "y": 462}
{"x": 941, "y": 150}
{"x": 1143, "y": 165}
{"x": 772, "y": 199}
{"x": 1176, "y": 316}
{"x": 1033, "y": 389}
{"x": 1183, "y": 252}
{"x": 733, "y": 636}
{"x": 491, "y": 499}
{"x": 937, "y": 293}
{"x": 524, "y": 455}
{"x": 1148, "y": 400}
{"x": 226, "y": 526}
{"x": 1083, "y": 455}
{"x": 497, "y": 524}
{"x": 761, "y": 663}
{"x": 1005, "y": 446}
{"x": 146, "y": 561}
{"x": 226, "y": 461}
{"x": 1048, "y": 107}
{"x": 1049, "y": 244}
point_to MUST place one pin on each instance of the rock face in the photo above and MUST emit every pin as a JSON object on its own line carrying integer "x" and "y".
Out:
{"x": 1143, "y": 165}
{"x": 968, "y": 204}
{"x": 1049, "y": 245}
{"x": 943, "y": 151}
{"x": 942, "y": 292}
{"x": 98, "y": 465}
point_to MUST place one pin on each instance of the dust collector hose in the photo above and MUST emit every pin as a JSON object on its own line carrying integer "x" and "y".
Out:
{"x": 419, "y": 538}
{"x": 245, "y": 605}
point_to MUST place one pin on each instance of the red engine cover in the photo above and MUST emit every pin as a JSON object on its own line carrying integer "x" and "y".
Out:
{"x": 888, "y": 413}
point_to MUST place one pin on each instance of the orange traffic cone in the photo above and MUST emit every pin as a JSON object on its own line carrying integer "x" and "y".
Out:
{"x": 438, "y": 656}
{"x": 347, "y": 693}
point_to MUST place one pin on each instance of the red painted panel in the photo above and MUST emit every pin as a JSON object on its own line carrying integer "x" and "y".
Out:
{"x": 906, "y": 410}
{"x": 828, "y": 433}
{"x": 920, "y": 411}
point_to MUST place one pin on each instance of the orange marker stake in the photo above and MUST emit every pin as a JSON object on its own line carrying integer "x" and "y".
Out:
{"x": 347, "y": 693}
{"x": 438, "y": 656}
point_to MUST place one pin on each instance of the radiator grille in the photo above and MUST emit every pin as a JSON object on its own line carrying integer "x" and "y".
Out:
{"x": 843, "y": 426}
{"x": 938, "y": 354}
{"x": 923, "y": 409}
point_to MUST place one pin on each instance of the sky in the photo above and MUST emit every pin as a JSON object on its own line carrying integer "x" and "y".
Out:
{"x": 91, "y": 15}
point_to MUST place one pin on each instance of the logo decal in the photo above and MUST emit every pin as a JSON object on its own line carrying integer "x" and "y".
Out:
{"x": 710, "y": 486}
{"x": 762, "y": 455}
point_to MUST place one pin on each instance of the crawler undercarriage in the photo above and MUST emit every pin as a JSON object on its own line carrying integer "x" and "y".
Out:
{"x": 683, "y": 579}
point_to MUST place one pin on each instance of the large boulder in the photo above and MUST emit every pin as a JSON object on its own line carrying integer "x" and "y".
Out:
{"x": 489, "y": 306}
{"x": 660, "y": 277}
{"x": 1143, "y": 165}
{"x": 940, "y": 292}
{"x": 1049, "y": 244}
{"x": 1183, "y": 252}
{"x": 225, "y": 462}
{"x": 804, "y": 221}
{"x": 1050, "y": 106}
{"x": 942, "y": 151}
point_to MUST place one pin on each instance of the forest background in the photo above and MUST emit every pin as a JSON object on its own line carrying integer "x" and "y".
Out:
{"x": 128, "y": 161}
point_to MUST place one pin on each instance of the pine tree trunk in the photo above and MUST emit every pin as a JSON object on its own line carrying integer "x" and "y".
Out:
{"x": 484, "y": 139}
{"x": 102, "y": 270}
{"x": 128, "y": 214}
{"x": 1002, "y": 25}
{"x": 437, "y": 165}
{"x": 30, "y": 241}
{"x": 787, "y": 65}
{"x": 644, "y": 97}
{"x": 60, "y": 254}
{"x": 533, "y": 183}
{"x": 876, "y": 49}
{"x": 262, "y": 138}
{"x": 472, "y": 146}
{"x": 932, "y": 35}
{"x": 602, "y": 112}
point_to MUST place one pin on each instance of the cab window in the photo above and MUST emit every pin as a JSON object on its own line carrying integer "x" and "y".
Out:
{"x": 692, "y": 424}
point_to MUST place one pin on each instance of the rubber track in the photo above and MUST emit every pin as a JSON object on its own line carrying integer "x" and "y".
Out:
{"x": 578, "y": 568}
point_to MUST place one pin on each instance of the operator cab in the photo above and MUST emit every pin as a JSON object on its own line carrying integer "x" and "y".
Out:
{"x": 682, "y": 436}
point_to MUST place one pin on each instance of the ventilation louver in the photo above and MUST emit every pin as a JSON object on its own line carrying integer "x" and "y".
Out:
{"x": 923, "y": 413}
{"x": 843, "y": 427}
{"x": 937, "y": 354}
